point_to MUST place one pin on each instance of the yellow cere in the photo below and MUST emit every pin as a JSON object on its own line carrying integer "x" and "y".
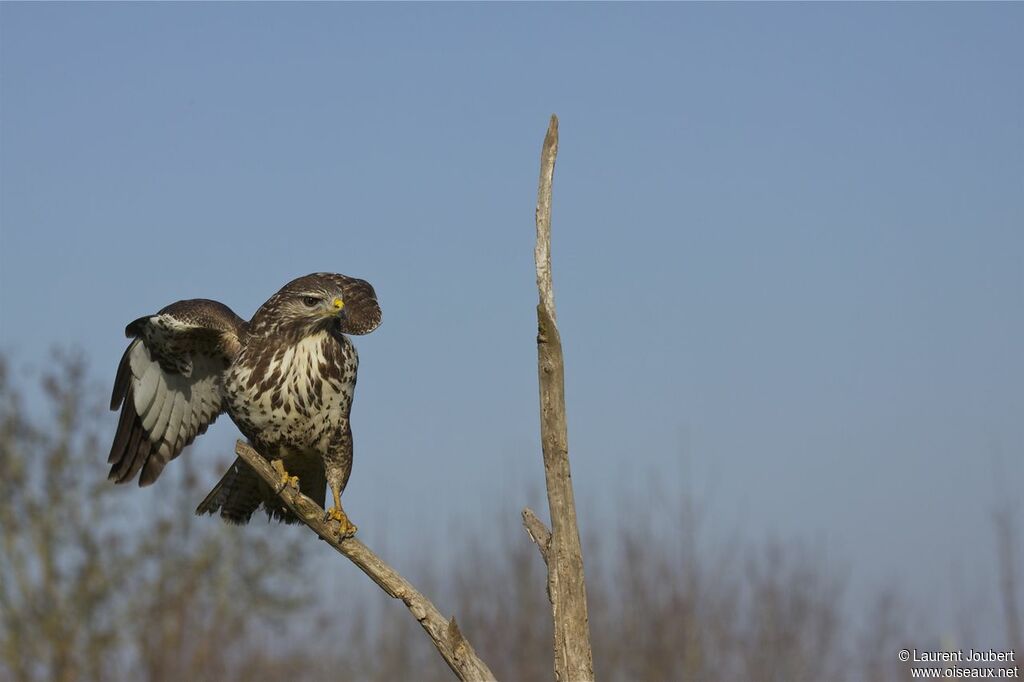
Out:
{"x": 339, "y": 304}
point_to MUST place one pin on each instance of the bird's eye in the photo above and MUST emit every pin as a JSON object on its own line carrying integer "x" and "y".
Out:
{"x": 310, "y": 301}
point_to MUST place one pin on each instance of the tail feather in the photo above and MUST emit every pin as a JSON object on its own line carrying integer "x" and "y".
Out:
{"x": 240, "y": 492}
{"x": 236, "y": 496}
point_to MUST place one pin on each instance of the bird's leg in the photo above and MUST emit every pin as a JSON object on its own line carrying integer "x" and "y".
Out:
{"x": 346, "y": 528}
{"x": 338, "y": 466}
{"x": 284, "y": 478}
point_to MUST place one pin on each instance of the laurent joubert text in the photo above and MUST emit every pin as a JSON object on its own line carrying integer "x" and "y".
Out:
{"x": 957, "y": 656}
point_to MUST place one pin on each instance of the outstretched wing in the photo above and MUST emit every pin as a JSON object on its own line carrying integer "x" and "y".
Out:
{"x": 169, "y": 384}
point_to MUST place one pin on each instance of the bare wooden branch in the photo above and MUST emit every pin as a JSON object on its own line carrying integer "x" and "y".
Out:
{"x": 564, "y": 555}
{"x": 444, "y": 633}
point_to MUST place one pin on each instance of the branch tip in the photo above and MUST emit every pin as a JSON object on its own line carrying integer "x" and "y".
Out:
{"x": 537, "y": 531}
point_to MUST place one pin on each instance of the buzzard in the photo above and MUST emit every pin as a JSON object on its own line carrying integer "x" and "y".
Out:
{"x": 286, "y": 378}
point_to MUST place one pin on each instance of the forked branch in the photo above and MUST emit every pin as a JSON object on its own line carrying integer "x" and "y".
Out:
{"x": 445, "y": 633}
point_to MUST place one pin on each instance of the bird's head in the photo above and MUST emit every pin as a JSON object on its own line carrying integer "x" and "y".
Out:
{"x": 321, "y": 301}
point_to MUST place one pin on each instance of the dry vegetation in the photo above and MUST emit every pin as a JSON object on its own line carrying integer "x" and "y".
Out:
{"x": 91, "y": 590}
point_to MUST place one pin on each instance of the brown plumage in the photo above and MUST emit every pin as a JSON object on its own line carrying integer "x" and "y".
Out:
{"x": 286, "y": 378}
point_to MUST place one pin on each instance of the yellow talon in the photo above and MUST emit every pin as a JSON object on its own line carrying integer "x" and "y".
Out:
{"x": 346, "y": 528}
{"x": 283, "y": 478}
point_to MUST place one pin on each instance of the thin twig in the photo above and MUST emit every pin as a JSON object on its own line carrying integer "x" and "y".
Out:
{"x": 537, "y": 531}
{"x": 563, "y": 553}
{"x": 445, "y": 633}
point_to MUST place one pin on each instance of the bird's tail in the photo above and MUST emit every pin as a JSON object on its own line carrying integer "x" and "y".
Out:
{"x": 241, "y": 491}
{"x": 236, "y": 496}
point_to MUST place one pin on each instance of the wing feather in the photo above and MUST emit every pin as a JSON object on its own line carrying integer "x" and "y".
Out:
{"x": 136, "y": 442}
{"x": 147, "y": 386}
{"x": 175, "y": 420}
{"x": 151, "y": 415}
{"x": 169, "y": 384}
{"x": 123, "y": 379}
{"x": 160, "y": 427}
{"x": 184, "y": 424}
{"x": 125, "y": 430}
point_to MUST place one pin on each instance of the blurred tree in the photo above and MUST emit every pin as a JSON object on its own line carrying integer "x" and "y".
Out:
{"x": 90, "y": 592}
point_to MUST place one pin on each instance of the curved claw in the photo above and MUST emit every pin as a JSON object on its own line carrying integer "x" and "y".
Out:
{"x": 284, "y": 479}
{"x": 287, "y": 481}
{"x": 346, "y": 528}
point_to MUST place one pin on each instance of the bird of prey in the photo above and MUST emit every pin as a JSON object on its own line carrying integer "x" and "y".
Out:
{"x": 286, "y": 378}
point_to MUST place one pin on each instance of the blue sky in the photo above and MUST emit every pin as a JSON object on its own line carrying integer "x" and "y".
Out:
{"x": 788, "y": 252}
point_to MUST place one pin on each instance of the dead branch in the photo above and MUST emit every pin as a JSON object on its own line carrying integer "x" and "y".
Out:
{"x": 561, "y": 548}
{"x": 444, "y": 633}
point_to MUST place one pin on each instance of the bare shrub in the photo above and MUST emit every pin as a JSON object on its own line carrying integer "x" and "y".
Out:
{"x": 92, "y": 589}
